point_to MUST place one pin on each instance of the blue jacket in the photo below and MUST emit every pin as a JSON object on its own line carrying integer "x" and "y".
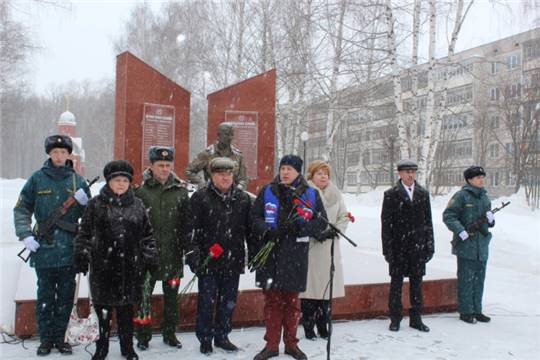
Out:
{"x": 287, "y": 264}
{"x": 43, "y": 193}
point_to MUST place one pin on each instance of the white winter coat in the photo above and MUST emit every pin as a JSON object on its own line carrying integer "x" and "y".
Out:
{"x": 319, "y": 253}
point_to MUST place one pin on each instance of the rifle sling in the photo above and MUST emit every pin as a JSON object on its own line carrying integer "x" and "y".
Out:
{"x": 67, "y": 226}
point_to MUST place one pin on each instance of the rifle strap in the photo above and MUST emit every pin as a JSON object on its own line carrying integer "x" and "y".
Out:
{"x": 67, "y": 226}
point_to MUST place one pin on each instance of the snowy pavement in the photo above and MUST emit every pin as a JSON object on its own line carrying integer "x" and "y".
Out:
{"x": 510, "y": 335}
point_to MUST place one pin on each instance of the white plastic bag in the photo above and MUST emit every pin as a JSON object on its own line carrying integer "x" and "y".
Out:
{"x": 82, "y": 330}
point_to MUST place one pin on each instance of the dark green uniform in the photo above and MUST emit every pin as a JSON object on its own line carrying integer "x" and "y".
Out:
{"x": 43, "y": 193}
{"x": 168, "y": 209}
{"x": 465, "y": 207}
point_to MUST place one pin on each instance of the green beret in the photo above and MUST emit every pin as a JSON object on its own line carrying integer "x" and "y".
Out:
{"x": 164, "y": 153}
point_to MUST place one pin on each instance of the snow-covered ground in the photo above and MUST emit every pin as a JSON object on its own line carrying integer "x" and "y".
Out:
{"x": 512, "y": 295}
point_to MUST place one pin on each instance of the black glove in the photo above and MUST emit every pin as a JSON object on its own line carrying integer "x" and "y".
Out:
{"x": 193, "y": 260}
{"x": 152, "y": 268}
{"x": 273, "y": 235}
{"x": 329, "y": 233}
{"x": 80, "y": 267}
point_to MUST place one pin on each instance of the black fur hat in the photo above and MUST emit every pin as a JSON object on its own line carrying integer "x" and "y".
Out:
{"x": 58, "y": 141}
{"x": 118, "y": 168}
{"x": 292, "y": 160}
{"x": 156, "y": 153}
{"x": 473, "y": 171}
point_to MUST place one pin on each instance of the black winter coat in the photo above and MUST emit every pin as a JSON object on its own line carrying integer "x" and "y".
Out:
{"x": 287, "y": 264}
{"x": 223, "y": 219}
{"x": 115, "y": 237}
{"x": 407, "y": 230}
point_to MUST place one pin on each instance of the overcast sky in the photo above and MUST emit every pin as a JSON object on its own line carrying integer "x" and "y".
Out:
{"x": 76, "y": 42}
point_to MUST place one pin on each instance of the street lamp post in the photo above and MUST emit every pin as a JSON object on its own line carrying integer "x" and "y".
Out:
{"x": 304, "y": 136}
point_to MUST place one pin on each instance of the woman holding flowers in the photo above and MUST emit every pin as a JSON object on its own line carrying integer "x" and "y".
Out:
{"x": 220, "y": 231}
{"x": 285, "y": 216}
{"x": 315, "y": 300}
{"x": 115, "y": 238}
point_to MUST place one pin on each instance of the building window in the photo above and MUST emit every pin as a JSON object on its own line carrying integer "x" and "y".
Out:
{"x": 494, "y": 151}
{"x": 352, "y": 158}
{"x": 351, "y": 178}
{"x": 514, "y": 61}
{"x": 494, "y": 121}
{"x": 514, "y": 90}
{"x": 494, "y": 179}
{"x": 366, "y": 159}
{"x": 510, "y": 178}
{"x": 494, "y": 67}
{"x": 494, "y": 94}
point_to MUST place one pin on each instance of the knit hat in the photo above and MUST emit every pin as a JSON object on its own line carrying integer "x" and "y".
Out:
{"x": 406, "y": 164}
{"x": 292, "y": 160}
{"x": 58, "y": 141}
{"x": 221, "y": 164}
{"x": 118, "y": 168}
{"x": 473, "y": 171}
{"x": 156, "y": 153}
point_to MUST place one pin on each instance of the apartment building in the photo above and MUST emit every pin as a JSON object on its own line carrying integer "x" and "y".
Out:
{"x": 486, "y": 97}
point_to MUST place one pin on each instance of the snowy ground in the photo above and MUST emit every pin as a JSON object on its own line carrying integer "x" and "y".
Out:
{"x": 511, "y": 297}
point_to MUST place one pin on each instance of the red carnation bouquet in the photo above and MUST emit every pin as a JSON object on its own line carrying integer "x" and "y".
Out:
{"x": 214, "y": 252}
{"x": 301, "y": 212}
{"x": 144, "y": 316}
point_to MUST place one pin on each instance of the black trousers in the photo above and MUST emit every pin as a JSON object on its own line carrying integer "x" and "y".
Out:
{"x": 124, "y": 319}
{"x": 415, "y": 297}
{"x": 215, "y": 306}
{"x": 315, "y": 312}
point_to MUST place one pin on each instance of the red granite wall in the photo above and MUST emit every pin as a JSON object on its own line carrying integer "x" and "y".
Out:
{"x": 151, "y": 109}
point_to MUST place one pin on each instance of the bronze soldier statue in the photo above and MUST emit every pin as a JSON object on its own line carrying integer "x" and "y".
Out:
{"x": 222, "y": 148}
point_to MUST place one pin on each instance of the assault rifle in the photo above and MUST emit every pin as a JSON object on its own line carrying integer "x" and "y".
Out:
{"x": 476, "y": 225}
{"x": 44, "y": 232}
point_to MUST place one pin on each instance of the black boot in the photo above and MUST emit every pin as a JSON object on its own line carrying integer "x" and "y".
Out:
{"x": 206, "y": 348}
{"x": 44, "y": 348}
{"x": 416, "y": 323}
{"x": 394, "y": 324}
{"x": 126, "y": 347}
{"x": 482, "y": 318}
{"x": 296, "y": 353}
{"x": 171, "y": 340}
{"x": 468, "y": 318}
{"x": 64, "y": 348}
{"x": 226, "y": 345}
{"x": 322, "y": 330}
{"x": 102, "y": 349}
{"x": 266, "y": 354}
{"x": 310, "y": 333}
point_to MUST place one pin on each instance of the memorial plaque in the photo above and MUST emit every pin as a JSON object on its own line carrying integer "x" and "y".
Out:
{"x": 158, "y": 128}
{"x": 150, "y": 109}
{"x": 245, "y": 137}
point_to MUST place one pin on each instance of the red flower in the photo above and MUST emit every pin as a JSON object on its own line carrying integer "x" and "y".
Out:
{"x": 174, "y": 282}
{"x": 216, "y": 250}
{"x": 297, "y": 201}
{"x": 350, "y": 216}
{"x": 307, "y": 214}
{"x": 143, "y": 321}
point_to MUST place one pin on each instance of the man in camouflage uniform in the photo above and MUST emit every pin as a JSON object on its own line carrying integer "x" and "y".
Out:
{"x": 223, "y": 148}
{"x": 166, "y": 198}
